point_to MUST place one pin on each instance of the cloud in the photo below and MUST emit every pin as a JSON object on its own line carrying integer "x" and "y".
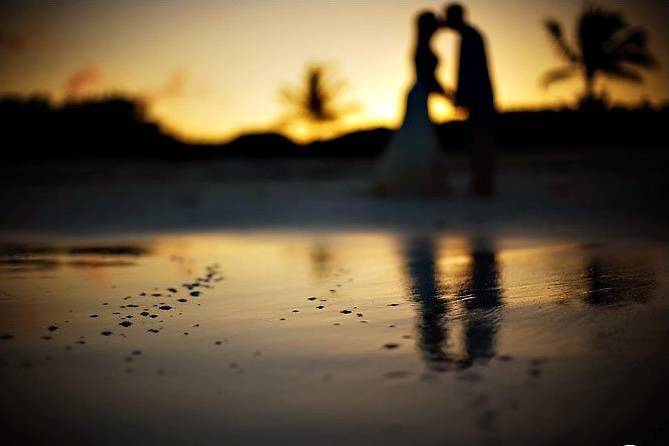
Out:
{"x": 12, "y": 41}
{"x": 174, "y": 86}
{"x": 81, "y": 80}
{"x": 89, "y": 78}
{"x": 24, "y": 39}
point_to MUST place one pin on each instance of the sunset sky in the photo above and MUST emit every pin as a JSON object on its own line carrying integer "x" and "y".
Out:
{"x": 212, "y": 69}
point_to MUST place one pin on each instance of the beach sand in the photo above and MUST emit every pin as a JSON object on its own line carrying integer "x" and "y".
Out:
{"x": 274, "y": 302}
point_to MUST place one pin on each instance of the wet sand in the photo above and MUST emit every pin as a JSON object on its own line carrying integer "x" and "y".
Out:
{"x": 453, "y": 322}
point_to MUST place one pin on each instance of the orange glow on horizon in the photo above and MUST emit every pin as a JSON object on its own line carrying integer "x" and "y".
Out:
{"x": 213, "y": 70}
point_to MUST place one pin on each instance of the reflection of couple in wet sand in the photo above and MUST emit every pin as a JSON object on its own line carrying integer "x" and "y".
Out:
{"x": 479, "y": 293}
{"x": 414, "y": 162}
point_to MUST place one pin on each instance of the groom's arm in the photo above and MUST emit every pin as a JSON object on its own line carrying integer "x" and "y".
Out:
{"x": 449, "y": 94}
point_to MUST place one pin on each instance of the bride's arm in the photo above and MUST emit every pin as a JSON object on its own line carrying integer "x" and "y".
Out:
{"x": 439, "y": 89}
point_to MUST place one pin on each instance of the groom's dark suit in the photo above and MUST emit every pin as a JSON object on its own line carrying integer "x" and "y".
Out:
{"x": 474, "y": 91}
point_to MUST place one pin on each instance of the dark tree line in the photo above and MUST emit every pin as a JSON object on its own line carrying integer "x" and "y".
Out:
{"x": 117, "y": 127}
{"x": 34, "y": 128}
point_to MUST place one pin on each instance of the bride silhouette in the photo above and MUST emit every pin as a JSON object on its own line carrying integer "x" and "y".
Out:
{"x": 413, "y": 161}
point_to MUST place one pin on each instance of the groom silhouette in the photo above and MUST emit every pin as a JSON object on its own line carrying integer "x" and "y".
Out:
{"x": 474, "y": 93}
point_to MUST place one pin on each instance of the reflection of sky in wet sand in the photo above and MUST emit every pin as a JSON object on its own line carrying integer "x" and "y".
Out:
{"x": 500, "y": 325}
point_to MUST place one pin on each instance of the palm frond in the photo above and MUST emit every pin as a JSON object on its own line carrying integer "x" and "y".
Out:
{"x": 557, "y": 75}
{"x": 632, "y": 47}
{"x": 639, "y": 58}
{"x": 635, "y": 36}
{"x": 291, "y": 96}
{"x": 597, "y": 29}
{"x": 597, "y": 25}
{"x": 623, "y": 73}
{"x": 554, "y": 29}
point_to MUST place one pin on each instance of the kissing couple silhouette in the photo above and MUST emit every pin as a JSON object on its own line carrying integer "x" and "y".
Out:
{"x": 413, "y": 162}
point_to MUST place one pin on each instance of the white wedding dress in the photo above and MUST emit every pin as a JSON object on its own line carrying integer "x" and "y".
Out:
{"x": 413, "y": 162}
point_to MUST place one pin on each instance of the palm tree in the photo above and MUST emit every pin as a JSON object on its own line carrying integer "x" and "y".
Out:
{"x": 316, "y": 103}
{"x": 606, "y": 46}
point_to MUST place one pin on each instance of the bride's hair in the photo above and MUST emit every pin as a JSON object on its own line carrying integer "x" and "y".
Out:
{"x": 427, "y": 23}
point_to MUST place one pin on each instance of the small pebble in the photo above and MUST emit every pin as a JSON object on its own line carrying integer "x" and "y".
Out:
{"x": 106, "y": 333}
{"x": 391, "y": 346}
{"x": 396, "y": 375}
{"x": 52, "y": 328}
{"x": 125, "y": 324}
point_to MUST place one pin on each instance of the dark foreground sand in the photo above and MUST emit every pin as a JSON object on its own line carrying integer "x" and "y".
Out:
{"x": 246, "y": 303}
